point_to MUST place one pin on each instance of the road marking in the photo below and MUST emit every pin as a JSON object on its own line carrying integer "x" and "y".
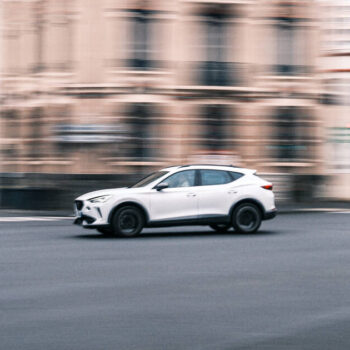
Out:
{"x": 33, "y": 218}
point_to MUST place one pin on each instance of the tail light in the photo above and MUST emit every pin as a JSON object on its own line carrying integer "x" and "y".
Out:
{"x": 268, "y": 187}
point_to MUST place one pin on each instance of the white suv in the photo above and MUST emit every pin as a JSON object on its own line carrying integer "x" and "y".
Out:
{"x": 218, "y": 196}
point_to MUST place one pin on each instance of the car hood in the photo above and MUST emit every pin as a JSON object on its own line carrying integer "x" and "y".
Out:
{"x": 111, "y": 191}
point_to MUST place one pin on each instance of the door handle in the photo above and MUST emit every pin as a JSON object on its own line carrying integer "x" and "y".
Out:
{"x": 191, "y": 195}
{"x": 232, "y": 192}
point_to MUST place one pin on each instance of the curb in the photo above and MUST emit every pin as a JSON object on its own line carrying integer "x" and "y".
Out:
{"x": 312, "y": 210}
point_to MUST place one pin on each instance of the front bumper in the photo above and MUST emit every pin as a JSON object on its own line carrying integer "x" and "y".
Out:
{"x": 80, "y": 220}
{"x": 88, "y": 215}
{"x": 270, "y": 214}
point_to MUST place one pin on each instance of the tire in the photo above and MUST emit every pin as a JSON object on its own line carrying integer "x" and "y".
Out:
{"x": 220, "y": 227}
{"x": 128, "y": 222}
{"x": 246, "y": 218}
{"x": 105, "y": 231}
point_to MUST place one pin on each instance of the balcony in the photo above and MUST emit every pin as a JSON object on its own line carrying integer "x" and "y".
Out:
{"x": 291, "y": 70}
{"x": 219, "y": 74}
{"x": 141, "y": 64}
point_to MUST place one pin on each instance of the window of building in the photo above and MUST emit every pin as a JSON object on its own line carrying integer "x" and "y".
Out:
{"x": 215, "y": 35}
{"x": 139, "y": 131}
{"x": 291, "y": 38}
{"x": 216, "y": 69}
{"x": 294, "y": 134}
{"x": 141, "y": 39}
{"x": 39, "y": 36}
{"x": 285, "y": 47}
{"x": 36, "y": 117}
{"x": 214, "y": 127}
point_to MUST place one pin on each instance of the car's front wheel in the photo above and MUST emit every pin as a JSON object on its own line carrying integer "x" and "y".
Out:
{"x": 127, "y": 222}
{"x": 246, "y": 218}
{"x": 220, "y": 227}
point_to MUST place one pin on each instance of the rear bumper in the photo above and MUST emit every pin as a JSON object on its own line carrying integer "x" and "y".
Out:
{"x": 270, "y": 214}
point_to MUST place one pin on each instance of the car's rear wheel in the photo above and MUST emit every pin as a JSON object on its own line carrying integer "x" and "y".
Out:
{"x": 220, "y": 227}
{"x": 246, "y": 218}
{"x": 128, "y": 222}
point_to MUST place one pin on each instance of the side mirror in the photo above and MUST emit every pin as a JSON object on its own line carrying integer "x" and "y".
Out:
{"x": 161, "y": 186}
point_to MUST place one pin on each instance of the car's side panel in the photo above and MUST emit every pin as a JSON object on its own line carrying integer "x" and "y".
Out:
{"x": 255, "y": 192}
{"x": 172, "y": 203}
{"x": 200, "y": 220}
{"x": 214, "y": 200}
{"x": 141, "y": 199}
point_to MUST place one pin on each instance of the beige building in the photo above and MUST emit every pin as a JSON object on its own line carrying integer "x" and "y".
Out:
{"x": 123, "y": 86}
{"x": 335, "y": 73}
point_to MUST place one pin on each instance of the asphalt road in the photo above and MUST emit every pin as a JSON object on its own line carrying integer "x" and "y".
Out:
{"x": 287, "y": 287}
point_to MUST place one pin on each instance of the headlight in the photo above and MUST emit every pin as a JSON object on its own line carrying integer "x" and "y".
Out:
{"x": 100, "y": 199}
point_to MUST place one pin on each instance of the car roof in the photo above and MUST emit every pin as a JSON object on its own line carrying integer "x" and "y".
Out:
{"x": 210, "y": 166}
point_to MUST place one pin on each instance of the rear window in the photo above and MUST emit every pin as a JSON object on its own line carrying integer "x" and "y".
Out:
{"x": 235, "y": 176}
{"x": 214, "y": 177}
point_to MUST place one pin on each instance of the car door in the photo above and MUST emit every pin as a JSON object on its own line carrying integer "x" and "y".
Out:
{"x": 178, "y": 201}
{"x": 215, "y": 193}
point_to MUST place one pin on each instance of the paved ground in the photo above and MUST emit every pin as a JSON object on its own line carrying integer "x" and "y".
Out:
{"x": 285, "y": 288}
{"x": 283, "y": 208}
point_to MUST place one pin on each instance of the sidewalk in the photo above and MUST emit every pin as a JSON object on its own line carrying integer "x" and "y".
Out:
{"x": 283, "y": 208}
{"x": 51, "y": 213}
{"x": 315, "y": 206}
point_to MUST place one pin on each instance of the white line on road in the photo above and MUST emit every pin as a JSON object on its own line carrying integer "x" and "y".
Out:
{"x": 33, "y": 218}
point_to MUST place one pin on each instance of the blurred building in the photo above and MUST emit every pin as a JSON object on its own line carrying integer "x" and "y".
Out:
{"x": 335, "y": 75}
{"x": 124, "y": 86}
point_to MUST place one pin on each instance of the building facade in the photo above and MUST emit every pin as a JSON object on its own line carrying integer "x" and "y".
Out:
{"x": 124, "y": 86}
{"x": 334, "y": 66}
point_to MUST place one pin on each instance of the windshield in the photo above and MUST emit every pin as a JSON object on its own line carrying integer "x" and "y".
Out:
{"x": 149, "y": 178}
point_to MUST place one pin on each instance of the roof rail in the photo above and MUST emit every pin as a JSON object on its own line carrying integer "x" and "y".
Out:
{"x": 173, "y": 166}
{"x": 230, "y": 165}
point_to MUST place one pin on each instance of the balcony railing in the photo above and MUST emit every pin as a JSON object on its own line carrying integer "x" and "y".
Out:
{"x": 290, "y": 69}
{"x": 143, "y": 64}
{"x": 219, "y": 73}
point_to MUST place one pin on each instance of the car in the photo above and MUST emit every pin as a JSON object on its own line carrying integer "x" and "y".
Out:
{"x": 219, "y": 196}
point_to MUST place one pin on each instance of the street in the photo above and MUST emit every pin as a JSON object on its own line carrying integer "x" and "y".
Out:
{"x": 286, "y": 287}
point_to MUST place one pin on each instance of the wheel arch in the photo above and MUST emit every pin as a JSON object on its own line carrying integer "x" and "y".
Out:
{"x": 256, "y": 202}
{"x": 127, "y": 204}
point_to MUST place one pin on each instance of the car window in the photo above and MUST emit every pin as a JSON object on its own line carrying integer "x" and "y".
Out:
{"x": 149, "y": 178}
{"x": 214, "y": 177}
{"x": 235, "y": 176}
{"x": 181, "y": 179}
